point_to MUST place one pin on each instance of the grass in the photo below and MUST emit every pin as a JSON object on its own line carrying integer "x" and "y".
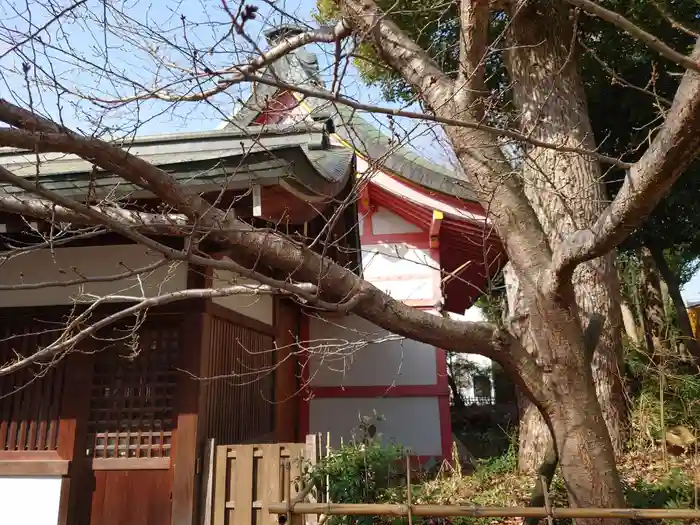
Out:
{"x": 649, "y": 483}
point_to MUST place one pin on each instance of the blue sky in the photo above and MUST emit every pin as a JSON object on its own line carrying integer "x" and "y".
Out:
{"x": 77, "y": 53}
{"x": 691, "y": 291}
{"x": 84, "y": 50}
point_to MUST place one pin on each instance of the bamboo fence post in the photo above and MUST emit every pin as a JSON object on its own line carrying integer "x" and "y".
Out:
{"x": 547, "y": 505}
{"x": 288, "y": 491}
{"x": 409, "y": 498}
{"x": 328, "y": 476}
{"x": 312, "y": 458}
{"x": 695, "y": 468}
{"x": 662, "y": 414}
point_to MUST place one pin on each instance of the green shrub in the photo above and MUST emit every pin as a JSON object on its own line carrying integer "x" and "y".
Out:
{"x": 499, "y": 465}
{"x": 363, "y": 471}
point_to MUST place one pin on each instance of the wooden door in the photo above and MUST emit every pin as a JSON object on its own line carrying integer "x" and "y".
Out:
{"x": 131, "y": 497}
{"x": 131, "y": 428}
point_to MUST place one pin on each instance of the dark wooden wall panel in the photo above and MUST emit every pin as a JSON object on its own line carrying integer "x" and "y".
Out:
{"x": 133, "y": 390}
{"x": 185, "y": 447}
{"x": 30, "y": 399}
{"x": 286, "y": 374}
{"x": 238, "y": 386}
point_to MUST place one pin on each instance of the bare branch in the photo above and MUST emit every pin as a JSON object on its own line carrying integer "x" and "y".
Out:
{"x": 240, "y": 73}
{"x": 439, "y": 119}
{"x": 675, "y": 23}
{"x": 159, "y": 224}
{"x": 83, "y": 280}
{"x": 34, "y": 34}
{"x": 334, "y": 282}
{"x": 652, "y": 42}
{"x": 675, "y": 146}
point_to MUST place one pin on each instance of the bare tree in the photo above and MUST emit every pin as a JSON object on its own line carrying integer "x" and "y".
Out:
{"x": 559, "y": 247}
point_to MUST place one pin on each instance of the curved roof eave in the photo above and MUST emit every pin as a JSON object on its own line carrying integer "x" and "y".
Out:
{"x": 428, "y": 202}
{"x": 325, "y": 175}
{"x": 400, "y": 159}
{"x": 299, "y": 68}
{"x": 367, "y": 141}
{"x": 334, "y": 166}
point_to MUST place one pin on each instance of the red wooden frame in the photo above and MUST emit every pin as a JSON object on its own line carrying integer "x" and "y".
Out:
{"x": 439, "y": 389}
{"x": 418, "y": 240}
{"x": 469, "y": 238}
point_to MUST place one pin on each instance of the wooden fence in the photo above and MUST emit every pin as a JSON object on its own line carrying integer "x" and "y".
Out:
{"x": 246, "y": 479}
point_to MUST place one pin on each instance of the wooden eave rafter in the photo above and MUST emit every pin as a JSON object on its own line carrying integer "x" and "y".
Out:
{"x": 434, "y": 231}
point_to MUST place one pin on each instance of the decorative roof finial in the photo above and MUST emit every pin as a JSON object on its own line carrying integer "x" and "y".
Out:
{"x": 277, "y": 33}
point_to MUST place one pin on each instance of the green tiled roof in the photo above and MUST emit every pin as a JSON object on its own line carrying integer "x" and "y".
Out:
{"x": 300, "y": 68}
{"x": 230, "y": 158}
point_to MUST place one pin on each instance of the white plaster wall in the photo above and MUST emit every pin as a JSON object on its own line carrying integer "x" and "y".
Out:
{"x": 402, "y": 271}
{"x": 29, "y": 500}
{"x": 258, "y": 307}
{"x": 350, "y": 351}
{"x": 69, "y": 264}
{"x": 384, "y": 222}
{"x": 413, "y": 422}
{"x": 382, "y": 260}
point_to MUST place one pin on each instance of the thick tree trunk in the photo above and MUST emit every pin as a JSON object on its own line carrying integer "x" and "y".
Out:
{"x": 583, "y": 444}
{"x": 566, "y": 190}
{"x": 571, "y": 406}
{"x": 534, "y": 438}
{"x": 674, "y": 292}
{"x": 569, "y": 402}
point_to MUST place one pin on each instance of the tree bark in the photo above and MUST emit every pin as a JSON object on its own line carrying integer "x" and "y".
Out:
{"x": 571, "y": 408}
{"x": 534, "y": 437}
{"x": 566, "y": 190}
{"x": 674, "y": 292}
{"x": 653, "y": 306}
{"x": 629, "y": 322}
{"x": 550, "y": 461}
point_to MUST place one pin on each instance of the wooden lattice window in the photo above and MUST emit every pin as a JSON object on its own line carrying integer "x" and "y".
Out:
{"x": 131, "y": 405}
{"x": 30, "y": 399}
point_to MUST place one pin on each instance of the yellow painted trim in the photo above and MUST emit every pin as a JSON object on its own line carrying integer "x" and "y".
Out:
{"x": 438, "y": 215}
{"x": 346, "y": 144}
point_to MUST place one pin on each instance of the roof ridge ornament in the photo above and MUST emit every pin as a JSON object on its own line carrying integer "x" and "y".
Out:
{"x": 277, "y": 33}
